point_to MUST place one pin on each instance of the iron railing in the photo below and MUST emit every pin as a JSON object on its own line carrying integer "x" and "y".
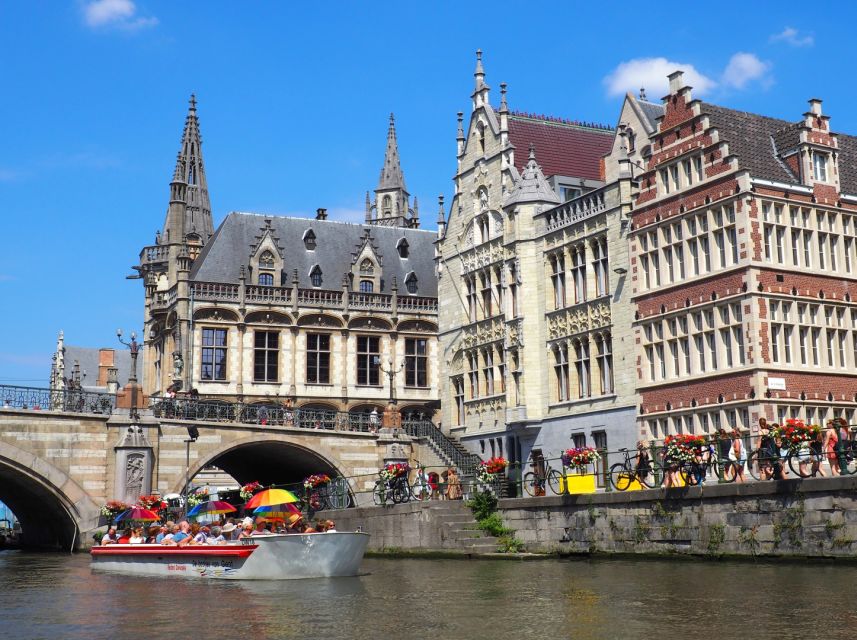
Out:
{"x": 69, "y": 400}
{"x": 454, "y": 452}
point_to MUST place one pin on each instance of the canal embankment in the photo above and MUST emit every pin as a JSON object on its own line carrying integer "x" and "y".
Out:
{"x": 815, "y": 518}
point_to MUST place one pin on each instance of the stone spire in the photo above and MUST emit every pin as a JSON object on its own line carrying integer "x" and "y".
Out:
{"x": 189, "y": 213}
{"x": 441, "y": 217}
{"x": 392, "y": 200}
{"x": 391, "y": 173}
{"x": 480, "y": 91}
{"x": 531, "y": 187}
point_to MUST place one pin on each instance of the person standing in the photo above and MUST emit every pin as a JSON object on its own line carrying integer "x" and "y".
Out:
{"x": 737, "y": 456}
{"x": 453, "y": 485}
{"x": 831, "y": 442}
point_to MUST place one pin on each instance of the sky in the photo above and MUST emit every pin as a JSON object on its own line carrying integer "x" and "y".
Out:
{"x": 294, "y": 100}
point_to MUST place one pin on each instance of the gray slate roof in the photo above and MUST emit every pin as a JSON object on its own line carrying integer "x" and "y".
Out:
{"x": 651, "y": 112}
{"x": 236, "y": 237}
{"x": 87, "y": 357}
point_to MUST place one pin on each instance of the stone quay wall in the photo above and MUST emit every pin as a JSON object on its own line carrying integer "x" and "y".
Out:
{"x": 811, "y": 518}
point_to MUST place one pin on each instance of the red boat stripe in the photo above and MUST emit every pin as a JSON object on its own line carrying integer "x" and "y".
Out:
{"x": 231, "y": 551}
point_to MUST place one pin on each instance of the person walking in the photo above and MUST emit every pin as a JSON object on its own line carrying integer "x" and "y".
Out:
{"x": 831, "y": 442}
{"x": 737, "y": 456}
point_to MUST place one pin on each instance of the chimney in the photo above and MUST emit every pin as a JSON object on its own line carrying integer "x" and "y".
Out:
{"x": 321, "y": 214}
{"x": 815, "y": 106}
{"x": 105, "y": 362}
{"x": 112, "y": 380}
{"x": 676, "y": 81}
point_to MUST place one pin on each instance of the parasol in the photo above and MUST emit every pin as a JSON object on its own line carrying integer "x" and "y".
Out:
{"x": 270, "y": 497}
{"x": 139, "y": 514}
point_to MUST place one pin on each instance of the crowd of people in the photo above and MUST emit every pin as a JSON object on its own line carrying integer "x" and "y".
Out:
{"x": 184, "y": 533}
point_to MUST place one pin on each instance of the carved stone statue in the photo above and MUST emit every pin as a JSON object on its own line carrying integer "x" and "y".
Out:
{"x": 134, "y": 468}
{"x": 178, "y": 365}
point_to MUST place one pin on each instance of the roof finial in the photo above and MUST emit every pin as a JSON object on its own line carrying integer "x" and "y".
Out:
{"x": 460, "y": 133}
{"x": 440, "y": 213}
{"x": 480, "y": 72}
{"x": 503, "y": 106}
{"x": 192, "y": 102}
{"x": 532, "y": 151}
{"x": 392, "y": 129}
{"x": 642, "y": 93}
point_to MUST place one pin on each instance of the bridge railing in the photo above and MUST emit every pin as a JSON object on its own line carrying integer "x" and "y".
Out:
{"x": 69, "y": 400}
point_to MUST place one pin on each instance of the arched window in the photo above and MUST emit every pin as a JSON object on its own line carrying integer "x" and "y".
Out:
{"x": 632, "y": 139}
{"x": 402, "y": 247}
{"x": 480, "y": 133}
{"x": 315, "y": 276}
{"x": 411, "y": 282}
{"x": 482, "y": 226}
{"x": 366, "y": 286}
{"x": 266, "y": 260}
{"x": 266, "y": 279}
{"x": 367, "y": 267}
{"x": 387, "y": 206}
{"x": 309, "y": 240}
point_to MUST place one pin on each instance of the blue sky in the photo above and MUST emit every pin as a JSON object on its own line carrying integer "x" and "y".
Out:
{"x": 293, "y": 103}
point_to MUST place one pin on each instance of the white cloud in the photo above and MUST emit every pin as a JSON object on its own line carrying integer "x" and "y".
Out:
{"x": 791, "y": 36}
{"x": 651, "y": 74}
{"x": 743, "y": 68}
{"x": 115, "y": 13}
{"x": 10, "y": 175}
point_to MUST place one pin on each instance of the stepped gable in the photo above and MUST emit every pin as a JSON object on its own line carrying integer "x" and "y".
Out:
{"x": 564, "y": 147}
{"x": 229, "y": 249}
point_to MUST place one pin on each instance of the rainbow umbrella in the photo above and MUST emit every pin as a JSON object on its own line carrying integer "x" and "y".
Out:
{"x": 210, "y": 507}
{"x": 276, "y": 511}
{"x": 270, "y": 497}
{"x": 139, "y": 514}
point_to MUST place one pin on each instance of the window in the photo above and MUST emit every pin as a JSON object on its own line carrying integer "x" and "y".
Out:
{"x": 599, "y": 265}
{"x": 581, "y": 365}
{"x": 265, "y": 352}
{"x": 411, "y": 283}
{"x": 403, "y": 248}
{"x": 213, "y": 354}
{"x": 458, "y": 387}
{"x": 386, "y": 206}
{"x": 266, "y": 260}
{"x": 561, "y": 372}
{"x": 604, "y": 359}
{"x": 368, "y": 360}
{"x": 318, "y": 358}
{"x": 578, "y": 272}
{"x": 473, "y": 361}
{"x": 558, "y": 280}
{"x": 488, "y": 370}
{"x": 819, "y": 165}
{"x": 416, "y": 362}
{"x": 315, "y": 276}
{"x": 471, "y": 299}
{"x": 367, "y": 286}
{"x": 309, "y": 240}
{"x": 487, "y": 306}
{"x": 480, "y": 133}
{"x": 266, "y": 279}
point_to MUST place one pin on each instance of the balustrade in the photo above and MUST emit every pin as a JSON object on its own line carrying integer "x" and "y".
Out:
{"x": 215, "y": 292}
{"x": 69, "y": 400}
{"x": 577, "y": 209}
{"x": 319, "y": 298}
{"x": 268, "y": 295}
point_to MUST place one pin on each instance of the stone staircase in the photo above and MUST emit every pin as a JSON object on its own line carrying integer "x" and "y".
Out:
{"x": 458, "y": 530}
{"x": 446, "y": 448}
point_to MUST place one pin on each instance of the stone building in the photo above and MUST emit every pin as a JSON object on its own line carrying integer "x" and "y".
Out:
{"x": 535, "y": 317}
{"x": 301, "y": 312}
{"x": 102, "y": 370}
{"x": 742, "y": 268}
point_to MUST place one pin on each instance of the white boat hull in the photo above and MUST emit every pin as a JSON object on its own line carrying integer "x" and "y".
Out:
{"x": 275, "y": 557}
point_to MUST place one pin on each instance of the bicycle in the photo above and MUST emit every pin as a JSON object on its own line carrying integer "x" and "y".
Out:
{"x": 420, "y": 490}
{"x": 395, "y": 490}
{"x": 622, "y": 474}
{"x": 534, "y": 483}
{"x": 694, "y": 472}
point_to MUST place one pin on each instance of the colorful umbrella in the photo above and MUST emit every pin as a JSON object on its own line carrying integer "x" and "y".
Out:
{"x": 276, "y": 511}
{"x": 270, "y": 497}
{"x": 212, "y": 506}
{"x": 140, "y": 514}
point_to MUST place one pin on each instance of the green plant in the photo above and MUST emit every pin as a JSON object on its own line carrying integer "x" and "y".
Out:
{"x": 658, "y": 510}
{"x": 791, "y": 522}
{"x": 493, "y": 525}
{"x": 510, "y": 544}
{"x": 483, "y": 504}
{"x": 749, "y": 537}
{"x": 641, "y": 530}
{"x": 716, "y": 536}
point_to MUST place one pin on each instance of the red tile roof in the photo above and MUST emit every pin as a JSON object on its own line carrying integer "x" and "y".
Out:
{"x": 562, "y": 147}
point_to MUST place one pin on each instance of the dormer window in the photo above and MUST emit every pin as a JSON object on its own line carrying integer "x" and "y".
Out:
{"x": 402, "y": 248}
{"x": 266, "y": 261}
{"x": 266, "y": 279}
{"x": 367, "y": 286}
{"x": 309, "y": 240}
{"x": 367, "y": 268}
{"x": 315, "y": 276}
{"x": 819, "y": 165}
{"x": 387, "y": 207}
{"x": 411, "y": 283}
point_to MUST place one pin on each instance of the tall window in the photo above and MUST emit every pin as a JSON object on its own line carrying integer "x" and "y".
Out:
{"x": 386, "y": 206}
{"x": 578, "y": 272}
{"x": 411, "y": 283}
{"x": 558, "y": 280}
{"x": 266, "y": 279}
{"x": 604, "y": 358}
{"x": 318, "y": 358}
{"x": 560, "y": 368}
{"x": 488, "y": 370}
{"x": 367, "y": 286}
{"x": 265, "y": 352}
{"x": 473, "y": 361}
{"x": 819, "y": 165}
{"x": 213, "y": 354}
{"x": 581, "y": 365}
{"x": 416, "y": 362}
{"x": 315, "y": 276}
{"x": 458, "y": 387}
{"x": 487, "y": 307}
{"x": 599, "y": 265}
{"x": 368, "y": 360}
{"x": 471, "y": 299}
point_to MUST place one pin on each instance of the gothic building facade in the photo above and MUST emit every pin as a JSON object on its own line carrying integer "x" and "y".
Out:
{"x": 309, "y": 313}
{"x": 535, "y": 317}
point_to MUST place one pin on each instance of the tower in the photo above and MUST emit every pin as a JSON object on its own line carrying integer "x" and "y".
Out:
{"x": 392, "y": 200}
{"x": 189, "y": 212}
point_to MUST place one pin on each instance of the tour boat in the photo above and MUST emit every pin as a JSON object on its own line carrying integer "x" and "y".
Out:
{"x": 272, "y": 557}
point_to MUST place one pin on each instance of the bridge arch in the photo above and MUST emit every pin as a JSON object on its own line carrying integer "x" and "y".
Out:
{"x": 54, "y": 510}
{"x": 274, "y": 459}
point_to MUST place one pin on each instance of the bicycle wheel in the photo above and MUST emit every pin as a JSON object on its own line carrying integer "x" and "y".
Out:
{"x": 420, "y": 491}
{"x": 690, "y": 473}
{"x": 555, "y": 482}
{"x": 532, "y": 484}
{"x": 337, "y": 495}
{"x": 379, "y": 493}
{"x": 754, "y": 464}
{"x": 621, "y": 476}
{"x": 398, "y": 494}
{"x": 800, "y": 462}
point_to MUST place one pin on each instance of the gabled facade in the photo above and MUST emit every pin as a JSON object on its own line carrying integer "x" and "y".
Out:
{"x": 305, "y": 312}
{"x": 530, "y": 361}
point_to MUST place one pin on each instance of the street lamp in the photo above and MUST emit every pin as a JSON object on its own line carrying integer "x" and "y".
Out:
{"x": 132, "y": 378}
{"x": 390, "y": 372}
{"x": 193, "y": 434}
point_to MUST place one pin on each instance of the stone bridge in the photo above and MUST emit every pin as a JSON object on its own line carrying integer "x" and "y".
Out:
{"x": 57, "y": 468}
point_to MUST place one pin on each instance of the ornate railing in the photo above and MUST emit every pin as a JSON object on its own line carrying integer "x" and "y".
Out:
{"x": 267, "y": 295}
{"x": 215, "y": 292}
{"x": 165, "y": 299}
{"x": 454, "y": 452}
{"x": 370, "y": 301}
{"x": 155, "y": 253}
{"x": 70, "y": 400}
{"x": 416, "y": 304}
{"x": 577, "y": 209}
{"x": 319, "y": 298}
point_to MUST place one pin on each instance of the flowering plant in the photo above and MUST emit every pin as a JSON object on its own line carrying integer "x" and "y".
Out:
{"x": 316, "y": 480}
{"x": 151, "y": 502}
{"x": 489, "y": 469}
{"x": 683, "y": 447}
{"x": 197, "y": 497}
{"x": 580, "y": 457}
{"x": 248, "y": 490}
{"x": 794, "y": 433}
{"x": 394, "y": 470}
{"x": 113, "y": 508}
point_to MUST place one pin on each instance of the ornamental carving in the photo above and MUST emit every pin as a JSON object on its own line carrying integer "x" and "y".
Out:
{"x": 492, "y": 404}
{"x": 515, "y": 334}
{"x": 482, "y": 256}
{"x": 568, "y": 322}
{"x": 483, "y": 333}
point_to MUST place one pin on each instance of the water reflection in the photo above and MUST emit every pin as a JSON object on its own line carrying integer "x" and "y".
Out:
{"x": 56, "y": 596}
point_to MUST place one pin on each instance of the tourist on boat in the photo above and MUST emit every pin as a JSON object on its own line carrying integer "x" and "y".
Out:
{"x": 152, "y": 533}
{"x": 164, "y": 530}
{"x": 246, "y": 531}
{"x": 330, "y": 526}
{"x": 201, "y": 536}
{"x": 215, "y": 536}
{"x": 136, "y": 536}
{"x": 260, "y": 529}
{"x": 125, "y": 538}
{"x": 228, "y": 531}
{"x": 180, "y": 535}
{"x": 110, "y": 537}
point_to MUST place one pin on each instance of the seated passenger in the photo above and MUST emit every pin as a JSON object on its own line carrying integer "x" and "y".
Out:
{"x": 199, "y": 534}
{"x": 136, "y": 536}
{"x": 228, "y": 531}
{"x": 163, "y": 530}
{"x": 216, "y": 536}
{"x": 125, "y": 538}
{"x": 246, "y": 532}
{"x": 110, "y": 537}
{"x": 260, "y": 529}
{"x": 330, "y": 526}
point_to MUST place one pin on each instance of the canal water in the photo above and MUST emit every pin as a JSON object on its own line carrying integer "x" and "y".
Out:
{"x": 58, "y": 597}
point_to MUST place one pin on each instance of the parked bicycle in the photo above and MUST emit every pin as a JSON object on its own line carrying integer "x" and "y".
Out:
{"x": 646, "y": 472}
{"x": 395, "y": 491}
{"x": 534, "y": 482}
{"x": 694, "y": 472}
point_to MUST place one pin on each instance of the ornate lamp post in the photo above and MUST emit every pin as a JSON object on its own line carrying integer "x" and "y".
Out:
{"x": 132, "y": 378}
{"x": 391, "y": 373}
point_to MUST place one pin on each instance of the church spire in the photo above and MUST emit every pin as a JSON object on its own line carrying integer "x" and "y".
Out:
{"x": 391, "y": 173}
{"x": 189, "y": 213}
{"x": 392, "y": 201}
{"x": 480, "y": 91}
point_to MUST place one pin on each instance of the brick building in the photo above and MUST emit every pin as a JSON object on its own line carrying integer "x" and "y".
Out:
{"x": 742, "y": 254}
